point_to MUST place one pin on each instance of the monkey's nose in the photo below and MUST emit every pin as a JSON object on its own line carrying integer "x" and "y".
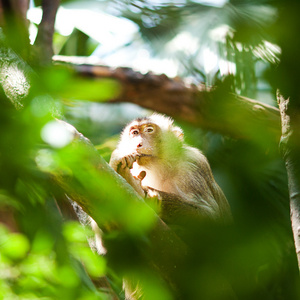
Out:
{"x": 139, "y": 145}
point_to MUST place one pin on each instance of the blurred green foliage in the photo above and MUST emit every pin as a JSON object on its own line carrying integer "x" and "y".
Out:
{"x": 41, "y": 256}
{"x": 44, "y": 253}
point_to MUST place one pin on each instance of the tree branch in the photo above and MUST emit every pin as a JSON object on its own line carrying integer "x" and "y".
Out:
{"x": 15, "y": 25}
{"x": 212, "y": 109}
{"x": 44, "y": 38}
{"x": 290, "y": 148}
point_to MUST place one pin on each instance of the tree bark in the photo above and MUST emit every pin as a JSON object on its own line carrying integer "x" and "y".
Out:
{"x": 290, "y": 148}
{"x": 44, "y": 38}
{"x": 15, "y": 25}
{"x": 209, "y": 108}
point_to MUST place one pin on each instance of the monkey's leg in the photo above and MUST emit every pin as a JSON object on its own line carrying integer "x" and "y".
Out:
{"x": 174, "y": 209}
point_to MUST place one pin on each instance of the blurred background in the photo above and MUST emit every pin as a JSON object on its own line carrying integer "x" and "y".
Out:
{"x": 249, "y": 48}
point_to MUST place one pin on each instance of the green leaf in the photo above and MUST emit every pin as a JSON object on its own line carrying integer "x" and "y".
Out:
{"x": 15, "y": 246}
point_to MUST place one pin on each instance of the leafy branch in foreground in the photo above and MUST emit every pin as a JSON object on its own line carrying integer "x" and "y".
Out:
{"x": 123, "y": 215}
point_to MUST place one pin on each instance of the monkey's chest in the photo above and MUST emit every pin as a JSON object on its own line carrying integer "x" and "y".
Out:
{"x": 154, "y": 182}
{"x": 155, "y": 179}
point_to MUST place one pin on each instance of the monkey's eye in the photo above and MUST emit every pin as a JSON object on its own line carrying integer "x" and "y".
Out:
{"x": 149, "y": 129}
{"x": 134, "y": 132}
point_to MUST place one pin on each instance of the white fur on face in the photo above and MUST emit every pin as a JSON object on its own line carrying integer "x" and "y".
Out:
{"x": 165, "y": 123}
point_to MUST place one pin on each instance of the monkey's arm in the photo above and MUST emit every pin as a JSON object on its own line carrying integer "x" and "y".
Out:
{"x": 213, "y": 194}
{"x": 172, "y": 208}
{"x": 122, "y": 165}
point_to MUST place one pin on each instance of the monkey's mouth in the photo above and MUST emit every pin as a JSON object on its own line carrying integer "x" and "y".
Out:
{"x": 144, "y": 155}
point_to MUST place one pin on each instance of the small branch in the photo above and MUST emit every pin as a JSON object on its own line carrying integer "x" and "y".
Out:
{"x": 212, "y": 109}
{"x": 44, "y": 38}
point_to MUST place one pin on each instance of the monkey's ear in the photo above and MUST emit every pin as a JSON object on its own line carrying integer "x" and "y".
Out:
{"x": 178, "y": 132}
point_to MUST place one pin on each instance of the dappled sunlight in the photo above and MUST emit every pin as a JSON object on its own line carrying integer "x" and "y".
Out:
{"x": 14, "y": 81}
{"x": 57, "y": 134}
{"x": 55, "y": 149}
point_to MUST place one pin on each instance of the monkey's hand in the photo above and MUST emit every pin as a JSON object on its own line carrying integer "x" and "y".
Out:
{"x": 154, "y": 199}
{"x": 152, "y": 193}
{"x": 122, "y": 166}
{"x": 135, "y": 182}
{"x": 118, "y": 161}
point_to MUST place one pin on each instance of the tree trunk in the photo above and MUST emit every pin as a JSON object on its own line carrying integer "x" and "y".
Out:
{"x": 290, "y": 148}
{"x": 15, "y": 25}
{"x": 44, "y": 38}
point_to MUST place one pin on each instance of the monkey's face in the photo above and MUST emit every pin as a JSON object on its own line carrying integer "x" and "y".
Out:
{"x": 152, "y": 141}
{"x": 141, "y": 139}
{"x": 144, "y": 138}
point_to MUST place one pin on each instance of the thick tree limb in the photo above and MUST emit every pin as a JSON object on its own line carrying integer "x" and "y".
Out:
{"x": 212, "y": 109}
{"x": 290, "y": 148}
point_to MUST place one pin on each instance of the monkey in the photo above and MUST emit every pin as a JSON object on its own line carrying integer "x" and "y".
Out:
{"x": 153, "y": 157}
{"x": 155, "y": 160}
